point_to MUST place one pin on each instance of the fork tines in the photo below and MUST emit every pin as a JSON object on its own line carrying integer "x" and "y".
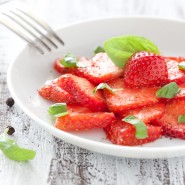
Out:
{"x": 32, "y": 29}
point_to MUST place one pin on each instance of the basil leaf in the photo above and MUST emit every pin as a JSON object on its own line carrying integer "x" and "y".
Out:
{"x": 181, "y": 65}
{"x": 168, "y": 91}
{"x": 141, "y": 129}
{"x": 69, "y": 60}
{"x": 58, "y": 109}
{"x": 181, "y": 119}
{"x": 18, "y": 154}
{"x": 13, "y": 151}
{"x": 104, "y": 86}
{"x": 120, "y": 49}
{"x": 99, "y": 49}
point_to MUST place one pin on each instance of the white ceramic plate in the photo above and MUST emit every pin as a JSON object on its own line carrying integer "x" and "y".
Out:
{"x": 29, "y": 71}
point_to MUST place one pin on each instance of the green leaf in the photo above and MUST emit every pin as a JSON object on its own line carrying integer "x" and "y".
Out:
{"x": 181, "y": 119}
{"x": 141, "y": 129}
{"x": 168, "y": 91}
{"x": 69, "y": 60}
{"x": 19, "y": 154}
{"x": 120, "y": 49}
{"x": 181, "y": 65}
{"x": 13, "y": 151}
{"x": 99, "y": 49}
{"x": 58, "y": 109}
{"x": 104, "y": 86}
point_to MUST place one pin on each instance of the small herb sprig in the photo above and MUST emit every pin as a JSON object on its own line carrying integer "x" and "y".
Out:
{"x": 99, "y": 49}
{"x": 69, "y": 60}
{"x": 181, "y": 119}
{"x": 168, "y": 91}
{"x": 104, "y": 86}
{"x": 11, "y": 150}
{"x": 58, "y": 109}
{"x": 181, "y": 65}
{"x": 141, "y": 129}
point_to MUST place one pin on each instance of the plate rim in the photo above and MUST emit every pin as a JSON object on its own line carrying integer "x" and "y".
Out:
{"x": 115, "y": 150}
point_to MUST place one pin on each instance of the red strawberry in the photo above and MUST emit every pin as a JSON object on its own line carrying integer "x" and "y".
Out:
{"x": 169, "y": 121}
{"x": 145, "y": 69}
{"x": 178, "y": 59}
{"x": 62, "y": 69}
{"x": 129, "y": 98}
{"x": 82, "y": 90}
{"x": 53, "y": 92}
{"x": 99, "y": 69}
{"x": 174, "y": 73}
{"x": 83, "y": 119}
{"x": 147, "y": 114}
{"x": 122, "y": 133}
{"x": 181, "y": 93}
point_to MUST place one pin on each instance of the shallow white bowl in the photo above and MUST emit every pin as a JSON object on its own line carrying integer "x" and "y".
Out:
{"x": 29, "y": 71}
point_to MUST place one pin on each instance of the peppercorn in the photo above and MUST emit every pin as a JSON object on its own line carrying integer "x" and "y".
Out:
{"x": 10, "y": 102}
{"x": 11, "y": 130}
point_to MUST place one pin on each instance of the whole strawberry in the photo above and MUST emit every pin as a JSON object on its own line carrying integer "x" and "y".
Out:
{"x": 145, "y": 69}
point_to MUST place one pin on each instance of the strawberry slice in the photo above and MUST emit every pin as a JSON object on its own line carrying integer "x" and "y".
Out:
{"x": 82, "y": 91}
{"x": 181, "y": 93}
{"x": 122, "y": 133}
{"x": 62, "y": 69}
{"x": 82, "y": 118}
{"x": 178, "y": 59}
{"x": 145, "y": 69}
{"x": 99, "y": 69}
{"x": 147, "y": 114}
{"x": 53, "y": 92}
{"x": 128, "y": 98}
{"x": 169, "y": 121}
{"x": 174, "y": 73}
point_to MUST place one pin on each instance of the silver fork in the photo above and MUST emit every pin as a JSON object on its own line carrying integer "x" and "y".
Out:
{"x": 29, "y": 27}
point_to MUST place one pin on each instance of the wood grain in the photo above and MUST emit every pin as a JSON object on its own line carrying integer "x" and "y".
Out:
{"x": 60, "y": 163}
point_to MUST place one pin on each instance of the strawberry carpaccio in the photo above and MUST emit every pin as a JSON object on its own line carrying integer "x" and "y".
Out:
{"x": 136, "y": 85}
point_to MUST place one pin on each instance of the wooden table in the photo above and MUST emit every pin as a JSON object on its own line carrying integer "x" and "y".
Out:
{"x": 60, "y": 163}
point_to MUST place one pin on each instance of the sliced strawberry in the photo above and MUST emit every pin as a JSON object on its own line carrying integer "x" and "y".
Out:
{"x": 99, "y": 69}
{"x": 181, "y": 93}
{"x": 145, "y": 69}
{"x": 174, "y": 73}
{"x": 169, "y": 121}
{"x": 129, "y": 98}
{"x": 147, "y": 114}
{"x": 82, "y": 90}
{"x": 53, "y": 92}
{"x": 62, "y": 69}
{"x": 178, "y": 59}
{"x": 122, "y": 133}
{"x": 83, "y": 119}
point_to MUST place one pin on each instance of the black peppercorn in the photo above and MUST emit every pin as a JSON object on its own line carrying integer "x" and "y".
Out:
{"x": 10, "y": 102}
{"x": 11, "y": 130}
